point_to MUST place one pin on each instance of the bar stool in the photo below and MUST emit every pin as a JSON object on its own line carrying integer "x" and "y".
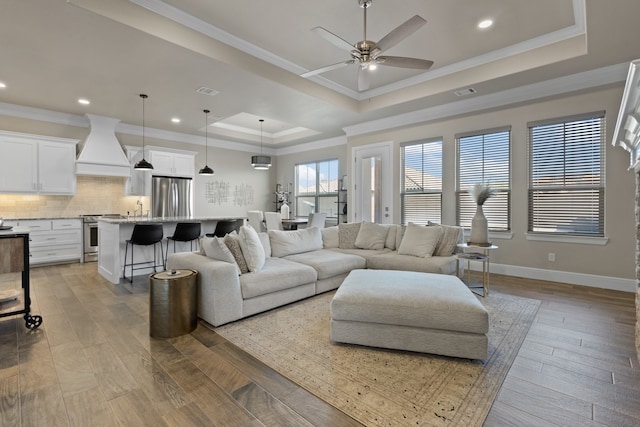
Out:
{"x": 184, "y": 232}
{"x": 144, "y": 235}
{"x": 224, "y": 227}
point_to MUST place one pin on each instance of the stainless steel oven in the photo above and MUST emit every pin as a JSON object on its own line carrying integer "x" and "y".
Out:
{"x": 90, "y": 236}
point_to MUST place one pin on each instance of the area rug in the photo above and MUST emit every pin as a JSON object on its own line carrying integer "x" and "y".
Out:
{"x": 384, "y": 387}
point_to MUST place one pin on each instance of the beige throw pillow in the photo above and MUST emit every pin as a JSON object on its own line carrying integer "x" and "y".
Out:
{"x": 233, "y": 243}
{"x": 347, "y": 234}
{"x": 371, "y": 236}
{"x": 251, "y": 248}
{"x": 214, "y": 247}
{"x": 330, "y": 237}
{"x": 419, "y": 240}
{"x": 449, "y": 238}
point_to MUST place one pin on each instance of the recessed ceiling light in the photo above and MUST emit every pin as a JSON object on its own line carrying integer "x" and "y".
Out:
{"x": 485, "y": 23}
{"x": 175, "y": 120}
{"x": 83, "y": 101}
{"x": 2, "y": 85}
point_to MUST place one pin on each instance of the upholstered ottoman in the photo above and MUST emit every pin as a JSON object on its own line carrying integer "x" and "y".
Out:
{"x": 405, "y": 310}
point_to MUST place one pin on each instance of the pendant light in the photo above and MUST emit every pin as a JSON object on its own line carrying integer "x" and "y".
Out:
{"x": 261, "y": 162}
{"x": 143, "y": 164}
{"x": 206, "y": 170}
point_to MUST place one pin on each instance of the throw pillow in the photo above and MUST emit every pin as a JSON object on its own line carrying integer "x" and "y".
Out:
{"x": 449, "y": 239}
{"x": 400, "y": 234}
{"x": 233, "y": 243}
{"x": 330, "y": 237}
{"x": 347, "y": 234}
{"x": 371, "y": 236}
{"x": 251, "y": 248}
{"x": 419, "y": 240}
{"x": 214, "y": 247}
{"x": 391, "y": 236}
{"x": 285, "y": 243}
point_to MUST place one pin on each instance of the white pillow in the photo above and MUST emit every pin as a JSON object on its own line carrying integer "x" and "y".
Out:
{"x": 285, "y": 243}
{"x": 371, "y": 236}
{"x": 214, "y": 247}
{"x": 330, "y": 237}
{"x": 419, "y": 240}
{"x": 266, "y": 244}
{"x": 251, "y": 248}
{"x": 391, "y": 236}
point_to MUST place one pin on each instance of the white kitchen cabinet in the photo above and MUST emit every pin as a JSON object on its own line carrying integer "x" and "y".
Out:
{"x": 52, "y": 240}
{"x": 172, "y": 163}
{"x": 37, "y": 164}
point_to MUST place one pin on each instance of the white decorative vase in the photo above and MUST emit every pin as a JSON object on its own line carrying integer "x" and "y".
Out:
{"x": 284, "y": 210}
{"x": 479, "y": 229}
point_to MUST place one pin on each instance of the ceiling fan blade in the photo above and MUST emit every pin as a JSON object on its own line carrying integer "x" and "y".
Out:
{"x": 400, "y": 33}
{"x": 403, "y": 62}
{"x": 333, "y": 39}
{"x": 363, "y": 79}
{"x": 327, "y": 68}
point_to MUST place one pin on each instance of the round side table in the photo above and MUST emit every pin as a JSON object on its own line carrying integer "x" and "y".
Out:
{"x": 173, "y": 306}
{"x": 475, "y": 253}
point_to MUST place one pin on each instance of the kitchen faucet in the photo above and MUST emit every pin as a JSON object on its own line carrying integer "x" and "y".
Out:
{"x": 138, "y": 203}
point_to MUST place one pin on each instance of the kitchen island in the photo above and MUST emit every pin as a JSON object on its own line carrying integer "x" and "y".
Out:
{"x": 114, "y": 232}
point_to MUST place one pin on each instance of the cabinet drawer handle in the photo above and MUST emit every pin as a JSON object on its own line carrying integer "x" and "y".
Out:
{"x": 51, "y": 238}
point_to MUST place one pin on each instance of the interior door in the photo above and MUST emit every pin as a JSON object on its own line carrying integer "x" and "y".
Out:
{"x": 372, "y": 189}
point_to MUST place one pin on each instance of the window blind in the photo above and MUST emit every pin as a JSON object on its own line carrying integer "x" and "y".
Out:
{"x": 421, "y": 193}
{"x": 566, "y": 185}
{"x": 484, "y": 158}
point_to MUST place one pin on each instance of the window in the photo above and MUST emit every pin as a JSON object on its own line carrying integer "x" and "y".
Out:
{"x": 317, "y": 188}
{"x": 566, "y": 175}
{"x": 484, "y": 158}
{"x": 421, "y": 194}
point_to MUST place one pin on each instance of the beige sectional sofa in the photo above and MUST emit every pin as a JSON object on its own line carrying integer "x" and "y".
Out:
{"x": 249, "y": 272}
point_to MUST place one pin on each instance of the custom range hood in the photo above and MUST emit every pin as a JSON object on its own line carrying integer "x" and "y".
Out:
{"x": 101, "y": 153}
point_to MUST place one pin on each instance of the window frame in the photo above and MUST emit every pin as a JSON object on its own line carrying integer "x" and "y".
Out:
{"x": 569, "y": 175}
{"x": 317, "y": 195}
{"x": 427, "y": 193}
{"x": 497, "y": 208}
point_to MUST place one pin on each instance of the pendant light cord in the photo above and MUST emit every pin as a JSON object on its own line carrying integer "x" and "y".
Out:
{"x": 206, "y": 144}
{"x": 261, "y": 122}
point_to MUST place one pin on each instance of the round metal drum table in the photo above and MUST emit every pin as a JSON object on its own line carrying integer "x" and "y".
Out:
{"x": 172, "y": 303}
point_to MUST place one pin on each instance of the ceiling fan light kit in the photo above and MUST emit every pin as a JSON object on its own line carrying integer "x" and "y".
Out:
{"x": 366, "y": 53}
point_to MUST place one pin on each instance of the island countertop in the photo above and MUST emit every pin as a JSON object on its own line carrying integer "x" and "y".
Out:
{"x": 158, "y": 219}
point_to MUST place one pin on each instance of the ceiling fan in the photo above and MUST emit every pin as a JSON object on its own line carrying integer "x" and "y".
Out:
{"x": 366, "y": 53}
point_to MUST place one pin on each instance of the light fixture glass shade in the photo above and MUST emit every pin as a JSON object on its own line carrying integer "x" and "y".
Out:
{"x": 206, "y": 170}
{"x": 143, "y": 165}
{"x": 261, "y": 162}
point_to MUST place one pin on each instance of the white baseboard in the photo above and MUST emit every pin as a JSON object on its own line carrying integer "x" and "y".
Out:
{"x": 594, "y": 281}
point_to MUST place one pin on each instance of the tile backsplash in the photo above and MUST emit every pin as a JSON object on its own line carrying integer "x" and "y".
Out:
{"x": 94, "y": 195}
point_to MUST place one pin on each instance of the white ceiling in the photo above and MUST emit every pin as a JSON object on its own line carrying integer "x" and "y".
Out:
{"x": 251, "y": 53}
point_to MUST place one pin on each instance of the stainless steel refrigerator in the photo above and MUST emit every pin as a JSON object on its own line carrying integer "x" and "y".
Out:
{"x": 171, "y": 197}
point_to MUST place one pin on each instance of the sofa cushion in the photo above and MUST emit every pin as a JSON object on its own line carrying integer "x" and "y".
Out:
{"x": 329, "y": 263}
{"x": 449, "y": 239}
{"x": 214, "y": 247}
{"x": 277, "y": 274}
{"x": 394, "y": 261}
{"x": 371, "y": 236}
{"x": 285, "y": 243}
{"x": 251, "y": 248}
{"x": 399, "y": 235}
{"x": 347, "y": 234}
{"x": 266, "y": 243}
{"x": 233, "y": 243}
{"x": 364, "y": 253}
{"x": 419, "y": 240}
{"x": 330, "y": 237}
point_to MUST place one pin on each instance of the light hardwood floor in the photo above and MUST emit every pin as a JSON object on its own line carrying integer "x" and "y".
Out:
{"x": 92, "y": 363}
